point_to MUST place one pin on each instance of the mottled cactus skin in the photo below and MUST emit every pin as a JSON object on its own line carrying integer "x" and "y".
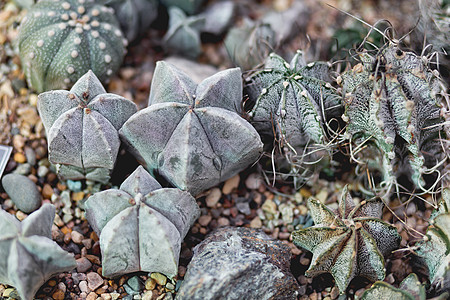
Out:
{"x": 59, "y": 41}
{"x": 393, "y": 109}
{"x": 410, "y": 289}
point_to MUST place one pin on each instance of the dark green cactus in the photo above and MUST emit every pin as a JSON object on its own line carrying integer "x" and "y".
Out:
{"x": 28, "y": 256}
{"x": 192, "y": 134}
{"x": 393, "y": 109}
{"x": 59, "y": 41}
{"x": 349, "y": 242}
{"x": 82, "y": 128}
{"x": 141, "y": 225}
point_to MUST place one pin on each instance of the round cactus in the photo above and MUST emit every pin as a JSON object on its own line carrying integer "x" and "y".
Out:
{"x": 59, "y": 41}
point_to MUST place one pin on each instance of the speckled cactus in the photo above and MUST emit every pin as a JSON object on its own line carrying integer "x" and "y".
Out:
{"x": 59, "y": 41}
{"x": 82, "y": 128}
{"x": 435, "y": 249}
{"x": 28, "y": 256}
{"x": 134, "y": 16}
{"x": 183, "y": 35}
{"x": 410, "y": 289}
{"x": 192, "y": 134}
{"x": 349, "y": 242}
{"x": 141, "y": 225}
{"x": 393, "y": 109}
{"x": 250, "y": 43}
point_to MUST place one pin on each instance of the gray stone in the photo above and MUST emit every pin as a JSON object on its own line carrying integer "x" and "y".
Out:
{"x": 22, "y": 191}
{"x": 237, "y": 263}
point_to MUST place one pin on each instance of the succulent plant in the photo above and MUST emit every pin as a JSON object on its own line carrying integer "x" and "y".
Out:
{"x": 82, "y": 128}
{"x": 141, "y": 225}
{"x": 393, "y": 113}
{"x": 435, "y": 249}
{"x": 28, "y": 256}
{"x": 134, "y": 16}
{"x": 192, "y": 134}
{"x": 218, "y": 16}
{"x": 190, "y": 7}
{"x": 410, "y": 289}
{"x": 183, "y": 35}
{"x": 59, "y": 41}
{"x": 250, "y": 43}
{"x": 349, "y": 242}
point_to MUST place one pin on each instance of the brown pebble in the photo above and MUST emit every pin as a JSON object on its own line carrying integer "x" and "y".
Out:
{"x": 76, "y": 237}
{"x": 83, "y": 264}
{"x": 93, "y": 259}
{"x": 94, "y": 281}
{"x": 91, "y": 296}
{"x": 20, "y": 158}
{"x": 204, "y": 220}
{"x": 223, "y": 221}
{"x": 150, "y": 284}
{"x": 256, "y": 223}
{"x": 58, "y": 295}
{"x": 231, "y": 184}
{"x": 47, "y": 191}
{"x": 78, "y": 196}
{"x": 94, "y": 236}
{"x": 213, "y": 197}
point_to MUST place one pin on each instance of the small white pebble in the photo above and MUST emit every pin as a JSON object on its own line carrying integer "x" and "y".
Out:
{"x": 107, "y": 26}
{"x": 51, "y": 33}
{"x": 74, "y": 53}
{"x": 95, "y": 12}
{"x": 107, "y": 58}
{"x": 95, "y": 23}
{"x": 79, "y": 30}
{"x": 95, "y": 33}
{"x": 65, "y": 5}
{"x": 81, "y": 10}
{"x": 51, "y": 13}
{"x": 102, "y": 45}
{"x": 77, "y": 41}
{"x": 40, "y": 43}
{"x": 70, "y": 69}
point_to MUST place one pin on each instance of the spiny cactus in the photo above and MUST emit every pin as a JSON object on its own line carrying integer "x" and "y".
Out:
{"x": 59, "y": 41}
{"x": 141, "y": 225}
{"x": 191, "y": 134}
{"x": 28, "y": 256}
{"x": 393, "y": 107}
{"x": 349, "y": 242}
{"x": 82, "y": 128}
{"x": 410, "y": 289}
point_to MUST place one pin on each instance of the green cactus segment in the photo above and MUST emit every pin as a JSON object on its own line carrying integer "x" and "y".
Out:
{"x": 349, "y": 242}
{"x": 59, "y": 41}
{"x": 410, "y": 289}
{"x": 192, "y": 135}
{"x": 292, "y": 99}
{"x": 28, "y": 255}
{"x": 82, "y": 128}
{"x": 393, "y": 105}
{"x": 141, "y": 225}
{"x": 190, "y": 7}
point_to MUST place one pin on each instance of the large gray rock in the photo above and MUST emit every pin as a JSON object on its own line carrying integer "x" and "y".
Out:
{"x": 239, "y": 263}
{"x": 22, "y": 191}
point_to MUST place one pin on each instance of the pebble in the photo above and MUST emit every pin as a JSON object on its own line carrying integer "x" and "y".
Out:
{"x": 150, "y": 284}
{"x": 22, "y": 191}
{"x": 147, "y": 295}
{"x": 7, "y": 292}
{"x": 253, "y": 181}
{"x": 83, "y": 286}
{"x": 30, "y": 155}
{"x": 42, "y": 171}
{"x": 322, "y": 196}
{"x": 62, "y": 286}
{"x": 77, "y": 196}
{"x": 77, "y": 237}
{"x": 20, "y": 158}
{"x": 47, "y": 191}
{"x": 91, "y": 296}
{"x": 23, "y": 169}
{"x": 204, "y": 220}
{"x": 223, "y": 222}
{"x": 20, "y": 215}
{"x": 213, "y": 197}
{"x": 94, "y": 280}
{"x": 74, "y": 186}
{"x": 58, "y": 295}
{"x": 159, "y": 278}
{"x": 83, "y": 264}
{"x": 256, "y": 223}
{"x": 106, "y": 296}
{"x": 269, "y": 207}
{"x": 231, "y": 184}
{"x": 134, "y": 283}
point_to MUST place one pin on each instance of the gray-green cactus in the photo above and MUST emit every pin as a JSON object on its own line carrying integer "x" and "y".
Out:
{"x": 249, "y": 44}
{"x": 410, "y": 289}
{"x": 28, "y": 256}
{"x": 349, "y": 242}
{"x": 190, "y": 7}
{"x": 141, "y": 225}
{"x": 393, "y": 107}
{"x": 192, "y": 134}
{"x": 59, "y": 41}
{"x": 134, "y": 16}
{"x": 183, "y": 35}
{"x": 82, "y": 128}
{"x": 435, "y": 249}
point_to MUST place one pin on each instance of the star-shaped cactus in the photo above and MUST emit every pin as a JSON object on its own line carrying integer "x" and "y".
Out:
{"x": 28, "y": 256}
{"x": 393, "y": 104}
{"x": 435, "y": 249}
{"x": 292, "y": 99}
{"x": 192, "y": 134}
{"x": 410, "y": 289}
{"x": 141, "y": 225}
{"x": 61, "y": 40}
{"x": 183, "y": 35}
{"x": 349, "y": 242}
{"x": 82, "y": 128}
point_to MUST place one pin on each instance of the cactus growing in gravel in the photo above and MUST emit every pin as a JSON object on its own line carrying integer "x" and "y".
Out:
{"x": 192, "y": 134}
{"x": 410, "y": 289}
{"x": 393, "y": 109}
{"x": 28, "y": 256}
{"x": 349, "y": 242}
{"x": 82, "y": 128}
{"x": 141, "y": 225}
{"x": 59, "y": 41}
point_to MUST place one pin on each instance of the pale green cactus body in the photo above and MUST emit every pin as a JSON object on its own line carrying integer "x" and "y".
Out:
{"x": 192, "y": 134}
{"x": 410, "y": 289}
{"x": 82, "y": 128}
{"x": 141, "y": 225}
{"x": 393, "y": 105}
{"x": 59, "y": 41}
{"x": 349, "y": 242}
{"x": 188, "y": 6}
{"x": 28, "y": 256}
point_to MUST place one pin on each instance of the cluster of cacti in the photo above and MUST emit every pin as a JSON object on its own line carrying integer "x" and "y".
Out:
{"x": 192, "y": 134}
{"x": 28, "y": 256}
{"x": 82, "y": 128}
{"x": 59, "y": 41}
{"x": 349, "y": 242}
{"x": 392, "y": 107}
{"x": 141, "y": 225}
